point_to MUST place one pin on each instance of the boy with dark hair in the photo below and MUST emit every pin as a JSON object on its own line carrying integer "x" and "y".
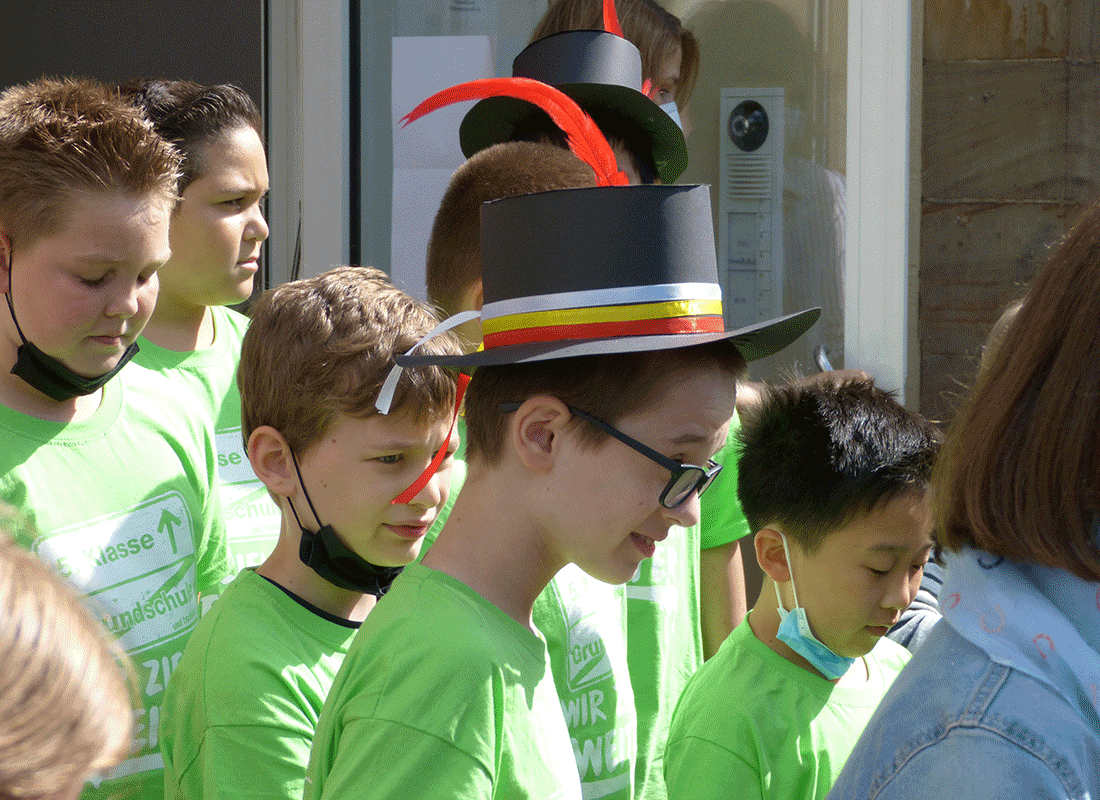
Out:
{"x": 241, "y": 707}
{"x": 217, "y": 230}
{"x": 605, "y": 384}
{"x": 115, "y": 475}
{"x": 834, "y": 480}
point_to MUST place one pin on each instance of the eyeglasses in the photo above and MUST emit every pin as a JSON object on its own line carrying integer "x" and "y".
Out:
{"x": 686, "y": 478}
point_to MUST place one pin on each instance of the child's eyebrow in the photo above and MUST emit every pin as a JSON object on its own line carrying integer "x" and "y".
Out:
{"x": 887, "y": 547}
{"x": 691, "y": 438}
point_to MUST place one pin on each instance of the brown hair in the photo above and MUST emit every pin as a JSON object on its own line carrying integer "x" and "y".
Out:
{"x": 59, "y": 137}
{"x": 998, "y": 332}
{"x": 653, "y": 30}
{"x": 323, "y": 345}
{"x": 608, "y": 387}
{"x": 191, "y": 115}
{"x": 503, "y": 170}
{"x": 65, "y": 706}
{"x": 1019, "y": 471}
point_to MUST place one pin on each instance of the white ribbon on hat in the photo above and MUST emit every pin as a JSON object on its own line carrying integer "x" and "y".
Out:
{"x": 389, "y": 387}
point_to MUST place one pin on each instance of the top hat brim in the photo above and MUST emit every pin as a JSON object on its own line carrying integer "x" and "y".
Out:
{"x": 752, "y": 342}
{"x": 495, "y": 119}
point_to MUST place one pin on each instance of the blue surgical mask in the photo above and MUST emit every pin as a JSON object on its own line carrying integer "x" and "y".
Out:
{"x": 670, "y": 109}
{"x": 794, "y": 631}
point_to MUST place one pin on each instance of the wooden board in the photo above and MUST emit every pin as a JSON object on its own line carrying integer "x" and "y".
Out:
{"x": 960, "y": 30}
{"x": 994, "y": 130}
{"x": 1083, "y": 130}
{"x": 975, "y": 258}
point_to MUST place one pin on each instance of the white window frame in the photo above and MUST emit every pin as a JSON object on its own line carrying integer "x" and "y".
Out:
{"x": 883, "y": 181}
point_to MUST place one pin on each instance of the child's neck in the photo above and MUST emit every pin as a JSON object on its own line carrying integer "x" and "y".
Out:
{"x": 285, "y": 568}
{"x": 179, "y": 326}
{"x": 493, "y": 549}
{"x": 764, "y": 622}
{"x": 18, "y": 395}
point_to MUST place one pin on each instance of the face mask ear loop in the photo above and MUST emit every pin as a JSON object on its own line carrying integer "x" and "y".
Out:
{"x": 11, "y": 308}
{"x": 790, "y": 570}
{"x": 306, "y": 493}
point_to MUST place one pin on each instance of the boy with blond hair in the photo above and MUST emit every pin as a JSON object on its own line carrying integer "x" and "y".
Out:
{"x": 834, "y": 480}
{"x": 241, "y": 707}
{"x": 115, "y": 475}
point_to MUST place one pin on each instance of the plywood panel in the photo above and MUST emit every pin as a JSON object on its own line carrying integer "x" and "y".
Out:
{"x": 959, "y": 30}
{"x": 1084, "y": 30}
{"x": 1083, "y": 131}
{"x": 974, "y": 260}
{"x": 995, "y": 130}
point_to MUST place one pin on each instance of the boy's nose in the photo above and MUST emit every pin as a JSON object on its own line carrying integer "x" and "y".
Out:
{"x": 686, "y": 514}
{"x": 125, "y": 302}
{"x": 902, "y": 592}
{"x": 257, "y": 229}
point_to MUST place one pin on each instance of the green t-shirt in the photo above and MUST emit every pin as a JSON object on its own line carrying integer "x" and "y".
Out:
{"x": 753, "y": 725}
{"x": 252, "y": 519}
{"x": 664, "y": 637}
{"x": 584, "y": 623}
{"x": 125, "y": 505}
{"x": 240, "y": 710}
{"x": 442, "y": 695}
{"x": 721, "y": 519}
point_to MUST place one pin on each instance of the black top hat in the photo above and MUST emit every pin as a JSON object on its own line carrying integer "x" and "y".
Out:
{"x": 602, "y": 72}
{"x": 609, "y": 269}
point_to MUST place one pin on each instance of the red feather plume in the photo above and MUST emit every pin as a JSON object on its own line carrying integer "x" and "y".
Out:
{"x": 611, "y": 18}
{"x": 583, "y": 136}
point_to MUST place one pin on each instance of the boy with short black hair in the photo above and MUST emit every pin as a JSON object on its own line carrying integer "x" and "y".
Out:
{"x": 115, "y": 475}
{"x": 834, "y": 481}
{"x": 605, "y": 385}
{"x": 241, "y": 707}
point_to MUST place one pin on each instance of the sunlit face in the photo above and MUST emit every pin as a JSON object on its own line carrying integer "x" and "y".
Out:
{"x": 218, "y": 228}
{"x": 83, "y": 294}
{"x": 611, "y": 515}
{"x": 359, "y": 466}
{"x": 856, "y": 584}
{"x": 667, "y": 80}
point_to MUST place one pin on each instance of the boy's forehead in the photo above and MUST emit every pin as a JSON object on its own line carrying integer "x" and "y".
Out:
{"x": 901, "y": 525}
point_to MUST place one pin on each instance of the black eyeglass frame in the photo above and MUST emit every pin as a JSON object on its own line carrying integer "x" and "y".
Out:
{"x": 677, "y": 468}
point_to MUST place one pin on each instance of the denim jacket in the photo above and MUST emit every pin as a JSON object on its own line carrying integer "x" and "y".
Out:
{"x": 955, "y": 724}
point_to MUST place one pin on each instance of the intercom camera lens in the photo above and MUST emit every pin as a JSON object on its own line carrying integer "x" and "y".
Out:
{"x": 748, "y": 125}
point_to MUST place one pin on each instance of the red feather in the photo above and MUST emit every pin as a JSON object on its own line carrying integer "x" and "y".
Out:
{"x": 583, "y": 136}
{"x": 611, "y": 18}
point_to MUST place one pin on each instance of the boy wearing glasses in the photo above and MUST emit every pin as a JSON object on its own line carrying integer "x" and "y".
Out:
{"x": 605, "y": 384}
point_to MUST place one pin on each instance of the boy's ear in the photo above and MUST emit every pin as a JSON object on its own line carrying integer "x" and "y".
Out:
{"x": 473, "y": 296}
{"x": 771, "y": 555}
{"x": 269, "y": 454}
{"x": 536, "y": 430}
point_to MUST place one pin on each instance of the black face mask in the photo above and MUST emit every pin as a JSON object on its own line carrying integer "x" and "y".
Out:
{"x": 48, "y": 375}
{"x": 325, "y": 553}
